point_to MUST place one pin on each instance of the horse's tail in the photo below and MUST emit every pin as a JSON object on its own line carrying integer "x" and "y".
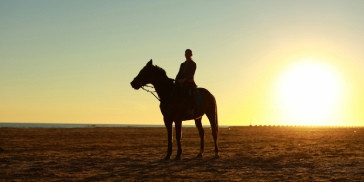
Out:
{"x": 215, "y": 114}
{"x": 216, "y": 118}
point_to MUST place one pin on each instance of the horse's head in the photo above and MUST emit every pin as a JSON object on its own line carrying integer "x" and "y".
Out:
{"x": 144, "y": 77}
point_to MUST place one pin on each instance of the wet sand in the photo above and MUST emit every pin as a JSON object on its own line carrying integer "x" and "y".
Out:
{"x": 134, "y": 154}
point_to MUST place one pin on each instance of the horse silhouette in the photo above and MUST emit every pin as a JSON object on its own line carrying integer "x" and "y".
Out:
{"x": 174, "y": 107}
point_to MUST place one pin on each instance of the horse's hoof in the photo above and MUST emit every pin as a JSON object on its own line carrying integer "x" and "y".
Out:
{"x": 178, "y": 157}
{"x": 199, "y": 156}
{"x": 167, "y": 158}
{"x": 217, "y": 156}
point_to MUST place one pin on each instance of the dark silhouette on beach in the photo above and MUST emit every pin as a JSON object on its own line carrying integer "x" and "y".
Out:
{"x": 185, "y": 79}
{"x": 173, "y": 106}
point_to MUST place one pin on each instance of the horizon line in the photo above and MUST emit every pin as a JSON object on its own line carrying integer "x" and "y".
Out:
{"x": 7, "y": 124}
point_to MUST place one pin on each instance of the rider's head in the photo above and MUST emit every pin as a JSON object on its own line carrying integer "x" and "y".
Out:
{"x": 188, "y": 54}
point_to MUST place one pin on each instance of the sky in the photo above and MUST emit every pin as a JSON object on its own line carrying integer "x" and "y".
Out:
{"x": 277, "y": 62}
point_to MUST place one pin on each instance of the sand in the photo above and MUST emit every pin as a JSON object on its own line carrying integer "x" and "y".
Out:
{"x": 134, "y": 154}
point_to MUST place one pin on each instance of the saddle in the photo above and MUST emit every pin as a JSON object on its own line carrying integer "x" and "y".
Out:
{"x": 189, "y": 93}
{"x": 192, "y": 96}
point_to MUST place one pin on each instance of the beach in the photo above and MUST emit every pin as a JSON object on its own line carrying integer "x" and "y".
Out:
{"x": 135, "y": 154}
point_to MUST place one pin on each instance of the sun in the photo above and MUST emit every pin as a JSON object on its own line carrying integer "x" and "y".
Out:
{"x": 309, "y": 93}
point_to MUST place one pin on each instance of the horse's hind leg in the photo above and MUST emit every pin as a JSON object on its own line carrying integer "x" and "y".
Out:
{"x": 212, "y": 115}
{"x": 178, "y": 125}
{"x": 201, "y": 132}
{"x": 168, "y": 124}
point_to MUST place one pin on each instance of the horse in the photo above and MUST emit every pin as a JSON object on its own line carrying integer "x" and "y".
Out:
{"x": 173, "y": 107}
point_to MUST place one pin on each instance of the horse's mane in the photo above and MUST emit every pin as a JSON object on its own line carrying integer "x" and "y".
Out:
{"x": 161, "y": 72}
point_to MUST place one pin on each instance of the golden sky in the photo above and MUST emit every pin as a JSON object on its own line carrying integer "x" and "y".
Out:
{"x": 267, "y": 62}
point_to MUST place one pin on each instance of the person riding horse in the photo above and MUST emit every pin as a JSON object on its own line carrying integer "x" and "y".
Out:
{"x": 173, "y": 107}
{"x": 185, "y": 79}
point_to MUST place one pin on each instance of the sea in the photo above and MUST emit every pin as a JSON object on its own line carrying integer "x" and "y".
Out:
{"x": 67, "y": 125}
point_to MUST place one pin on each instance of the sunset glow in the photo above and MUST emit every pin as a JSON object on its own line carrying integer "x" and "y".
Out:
{"x": 309, "y": 92}
{"x": 267, "y": 63}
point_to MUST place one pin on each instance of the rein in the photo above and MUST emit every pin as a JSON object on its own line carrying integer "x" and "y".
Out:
{"x": 150, "y": 91}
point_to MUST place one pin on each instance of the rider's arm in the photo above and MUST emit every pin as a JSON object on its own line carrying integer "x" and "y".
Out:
{"x": 179, "y": 75}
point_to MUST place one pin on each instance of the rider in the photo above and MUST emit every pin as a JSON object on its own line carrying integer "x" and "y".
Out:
{"x": 185, "y": 79}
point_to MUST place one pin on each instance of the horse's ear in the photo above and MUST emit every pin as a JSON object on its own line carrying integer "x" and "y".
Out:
{"x": 150, "y": 63}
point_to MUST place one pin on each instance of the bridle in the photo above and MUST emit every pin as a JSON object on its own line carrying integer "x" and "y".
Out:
{"x": 151, "y": 91}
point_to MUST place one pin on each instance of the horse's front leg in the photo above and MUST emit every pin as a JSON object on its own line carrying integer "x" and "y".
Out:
{"x": 202, "y": 136}
{"x": 168, "y": 124}
{"x": 178, "y": 125}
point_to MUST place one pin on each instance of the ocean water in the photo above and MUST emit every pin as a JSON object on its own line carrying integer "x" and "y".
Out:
{"x": 68, "y": 125}
{"x": 62, "y": 125}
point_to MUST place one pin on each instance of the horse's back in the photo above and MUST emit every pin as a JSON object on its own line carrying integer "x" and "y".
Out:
{"x": 207, "y": 97}
{"x": 204, "y": 91}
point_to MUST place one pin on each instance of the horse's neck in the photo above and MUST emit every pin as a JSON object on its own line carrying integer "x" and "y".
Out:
{"x": 164, "y": 88}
